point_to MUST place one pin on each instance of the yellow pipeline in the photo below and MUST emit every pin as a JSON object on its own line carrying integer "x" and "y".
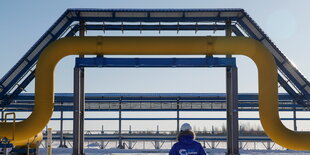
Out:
{"x": 31, "y": 142}
{"x": 268, "y": 90}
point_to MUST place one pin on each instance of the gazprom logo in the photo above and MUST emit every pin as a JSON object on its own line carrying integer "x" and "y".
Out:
{"x": 183, "y": 152}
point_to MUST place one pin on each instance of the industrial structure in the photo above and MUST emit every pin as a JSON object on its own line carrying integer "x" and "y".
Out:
{"x": 242, "y": 36}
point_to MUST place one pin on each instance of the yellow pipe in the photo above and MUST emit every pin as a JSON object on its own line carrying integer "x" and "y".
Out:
{"x": 13, "y": 124}
{"x": 31, "y": 142}
{"x": 267, "y": 72}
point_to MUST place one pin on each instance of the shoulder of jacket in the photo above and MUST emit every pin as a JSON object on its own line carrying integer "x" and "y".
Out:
{"x": 196, "y": 142}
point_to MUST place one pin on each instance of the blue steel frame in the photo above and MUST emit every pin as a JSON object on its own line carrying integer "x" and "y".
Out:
{"x": 247, "y": 102}
{"x": 218, "y": 16}
{"x": 211, "y": 138}
{"x": 155, "y": 62}
{"x": 106, "y": 27}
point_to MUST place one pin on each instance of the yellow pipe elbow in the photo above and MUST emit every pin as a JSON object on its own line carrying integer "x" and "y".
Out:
{"x": 31, "y": 142}
{"x": 267, "y": 72}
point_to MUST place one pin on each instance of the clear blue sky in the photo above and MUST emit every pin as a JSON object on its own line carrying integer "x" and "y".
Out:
{"x": 286, "y": 22}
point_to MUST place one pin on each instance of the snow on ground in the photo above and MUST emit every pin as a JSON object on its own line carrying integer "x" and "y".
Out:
{"x": 68, "y": 151}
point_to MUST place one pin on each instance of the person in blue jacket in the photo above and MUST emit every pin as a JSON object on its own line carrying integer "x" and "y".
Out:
{"x": 186, "y": 144}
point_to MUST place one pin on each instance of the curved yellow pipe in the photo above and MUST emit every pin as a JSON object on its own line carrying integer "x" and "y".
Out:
{"x": 31, "y": 142}
{"x": 268, "y": 90}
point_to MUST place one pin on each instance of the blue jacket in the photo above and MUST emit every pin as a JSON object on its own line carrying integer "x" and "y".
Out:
{"x": 187, "y": 146}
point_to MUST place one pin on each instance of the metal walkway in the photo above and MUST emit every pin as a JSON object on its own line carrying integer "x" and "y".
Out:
{"x": 152, "y": 137}
{"x": 153, "y": 102}
{"x": 20, "y": 75}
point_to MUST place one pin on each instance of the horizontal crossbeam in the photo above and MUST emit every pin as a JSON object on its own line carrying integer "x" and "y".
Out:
{"x": 155, "y": 62}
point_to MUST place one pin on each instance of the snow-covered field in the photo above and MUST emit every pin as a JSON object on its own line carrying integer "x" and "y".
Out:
{"x": 68, "y": 151}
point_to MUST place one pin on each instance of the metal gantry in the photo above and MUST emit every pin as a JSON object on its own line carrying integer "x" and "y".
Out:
{"x": 141, "y": 20}
{"x": 232, "y": 100}
{"x": 157, "y": 102}
{"x": 235, "y": 22}
{"x": 161, "y": 137}
{"x": 133, "y": 102}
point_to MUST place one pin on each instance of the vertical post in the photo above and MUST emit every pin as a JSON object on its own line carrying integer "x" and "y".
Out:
{"x": 294, "y": 115}
{"x": 46, "y": 132}
{"x": 232, "y": 104}
{"x": 28, "y": 148}
{"x": 130, "y": 142}
{"x": 268, "y": 145}
{"x": 82, "y": 110}
{"x": 5, "y": 151}
{"x": 212, "y": 142}
{"x": 2, "y": 114}
{"x": 82, "y": 94}
{"x": 178, "y": 115}
{"x": 49, "y": 141}
{"x": 156, "y": 141}
{"x": 102, "y": 142}
{"x": 120, "y": 144}
{"x": 77, "y": 112}
{"x": 38, "y": 148}
{"x": 232, "y": 112}
{"x": 228, "y": 94}
{"x": 157, "y": 129}
{"x": 61, "y": 126}
{"x": 157, "y": 144}
{"x": 240, "y": 142}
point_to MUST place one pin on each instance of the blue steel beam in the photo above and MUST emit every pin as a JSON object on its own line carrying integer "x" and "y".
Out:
{"x": 68, "y": 97}
{"x": 117, "y": 10}
{"x": 155, "y": 62}
{"x": 123, "y": 16}
{"x": 69, "y": 107}
{"x": 9, "y": 98}
{"x": 154, "y": 110}
{"x": 251, "y": 103}
{"x": 154, "y": 27}
{"x": 155, "y": 15}
{"x": 298, "y": 98}
{"x": 141, "y": 28}
{"x": 170, "y": 137}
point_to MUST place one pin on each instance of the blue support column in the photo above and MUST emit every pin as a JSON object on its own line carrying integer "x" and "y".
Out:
{"x": 82, "y": 94}
{"x": 178, "y": 115}
{"x": 232, "y": 104}
{"x": 79, "y": 104}
{"x": 62, "y": 143}
{"x": 232, "y": 112}
{"x": 77, "y": 113}
{"x": 120, "y": 142}
{"x": 294, "y": 115}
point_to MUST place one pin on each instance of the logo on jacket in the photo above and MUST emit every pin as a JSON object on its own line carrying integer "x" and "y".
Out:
{"x": 183, "y": 152}
{"x": 187, "y": 152}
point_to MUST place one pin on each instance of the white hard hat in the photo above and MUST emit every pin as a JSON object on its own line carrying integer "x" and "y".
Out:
{"x": 186, "y": 127}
